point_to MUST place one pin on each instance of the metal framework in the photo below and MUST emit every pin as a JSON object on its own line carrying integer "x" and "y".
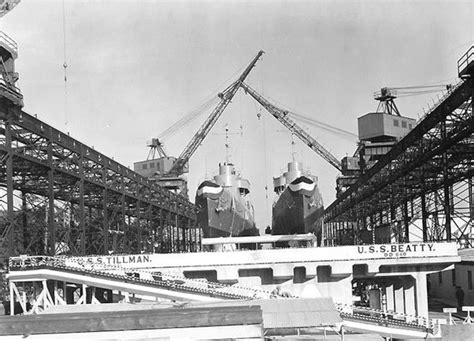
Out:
{"x": 226, "y": 97}
{"x": 282, "y": 116}
{"x": 421, "y": 189}
{"x": 58, "y": 195}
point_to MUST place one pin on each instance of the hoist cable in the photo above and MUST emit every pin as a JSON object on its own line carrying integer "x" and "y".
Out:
{"x": 188, "y": 118}
{"x": 322, "y": 125}
{"x": 65, "y": 64}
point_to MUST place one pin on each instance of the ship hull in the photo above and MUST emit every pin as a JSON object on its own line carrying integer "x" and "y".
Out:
{"x": 298, "y": 211}
{"x": 224, "y": 214}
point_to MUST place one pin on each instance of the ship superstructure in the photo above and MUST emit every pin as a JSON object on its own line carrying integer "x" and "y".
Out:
{"x": 224, "y": 205}
{"x": 298, "y": 208}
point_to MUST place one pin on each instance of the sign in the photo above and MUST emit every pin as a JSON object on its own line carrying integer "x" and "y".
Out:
{"x": 398, "y": 250}
{"x": 122, "y": 260}
{"x": 412, "y": 252}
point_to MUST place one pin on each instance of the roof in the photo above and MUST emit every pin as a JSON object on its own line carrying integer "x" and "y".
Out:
{"x": 292, "y": 312}
{"x": 299, "y": 313}
{"x": 467, "y": 255}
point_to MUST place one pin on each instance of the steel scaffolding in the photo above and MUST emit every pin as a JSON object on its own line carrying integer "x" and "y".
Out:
{"x": 58, "y": 195}
{"x": 422, "y": 189}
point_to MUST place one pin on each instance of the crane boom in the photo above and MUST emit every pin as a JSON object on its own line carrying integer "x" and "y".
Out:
{"x": 226, "y": 96}
{"x": 282, "y": 116}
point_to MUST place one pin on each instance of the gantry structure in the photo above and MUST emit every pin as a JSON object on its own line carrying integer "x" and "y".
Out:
{"x": 60, "y": 196}
{"x": 423, "y": 187}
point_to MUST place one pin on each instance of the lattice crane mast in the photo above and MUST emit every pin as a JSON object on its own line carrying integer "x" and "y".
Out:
{"x": 225, "y": 98}
{"x": 283, "y": 116}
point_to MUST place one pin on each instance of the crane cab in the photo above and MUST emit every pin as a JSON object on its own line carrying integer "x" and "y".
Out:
{"x": 8, "y": 76}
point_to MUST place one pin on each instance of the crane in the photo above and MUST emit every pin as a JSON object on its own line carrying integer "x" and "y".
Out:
{"x": 283, "y": 116}
{"x": 167, "y": 170}
{"x": 225, "y": 98}
{"x": 156, "y": 146}
{"x": 386, "y": 95}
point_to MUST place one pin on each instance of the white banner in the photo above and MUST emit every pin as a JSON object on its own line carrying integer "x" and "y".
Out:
{"x": 272, "y": 256}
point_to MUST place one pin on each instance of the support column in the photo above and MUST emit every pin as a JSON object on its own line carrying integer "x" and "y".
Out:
{"x": 184, "y": 237}
{"x": 121, "y": 240}
{"x": 82, "y": 223}
{"x": 447, "y": 196}
{"x": 421, "y": 292}
{"x": 12, "y": 299}
{"x": 410, "y": 297}
{"x": 424, "y": 217}
{"x": 471, "y": 197}
{"x": 171, "y": 233}
{"x": 50, "y": 238}
{"x": 390, "y": 297}
{"x": 161, "y": 228}
{"x": 9, "y": 233}
{"x": 105, "y": 216}
{"x": 399, "y": 298}
{"x": 24, "y": 223}
{"x": 139, "y": 227}
{"x": 406, "y": 222}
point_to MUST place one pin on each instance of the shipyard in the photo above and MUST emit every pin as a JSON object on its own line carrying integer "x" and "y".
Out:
{"x": 236, "y": 170}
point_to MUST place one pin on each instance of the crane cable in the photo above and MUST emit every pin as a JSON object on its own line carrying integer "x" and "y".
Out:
{"x": 415, "y": 90}
{"x": 322, "y": 125}
{"x": 316, "y": 123}
{"x": 65, "y": 65}
{"x": 191, "y": 116}
{"x": 259, "y": 114}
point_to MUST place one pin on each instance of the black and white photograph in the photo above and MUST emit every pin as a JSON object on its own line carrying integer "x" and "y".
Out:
{"x": 236, "y": 170}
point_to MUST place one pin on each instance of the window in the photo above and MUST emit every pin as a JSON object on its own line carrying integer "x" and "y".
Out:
{"x": 152, "y": 165}
{"x": 144, "y": 166}
{"x": 469, "y": 279}
{"x": 409, "y": 126}
{"x": 453, "y": 274}
{"x": 395, "y": 123}
{"x": 440, "y": 277}
{"x": 404, "y": 124}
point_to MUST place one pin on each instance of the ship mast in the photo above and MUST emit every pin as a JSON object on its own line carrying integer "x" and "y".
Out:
{"x": 227, "y": 145}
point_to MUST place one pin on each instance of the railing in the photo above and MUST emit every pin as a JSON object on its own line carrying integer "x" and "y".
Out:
{"x": 11, "y": 92}
{"x": 441, "y": 100}
{"x": 465, "y": 60}
{"x": 160, "y": 279}
{"x": 387, "y": 318}
{"x": 9, "y": 42}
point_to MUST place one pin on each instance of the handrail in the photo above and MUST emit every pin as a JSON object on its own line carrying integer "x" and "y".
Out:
{"x": 386, "y": 317}
{"x": 9, "y": 42}
{"x": 10, "y": 87}
{"x": 465, "y": 59}
{"x": 161, "y": 279}
{"x": 441, "y": 100}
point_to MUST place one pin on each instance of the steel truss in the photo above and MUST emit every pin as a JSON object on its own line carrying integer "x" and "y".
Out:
{"x": 422, "y": 189}
{"x": 58, "y": 195}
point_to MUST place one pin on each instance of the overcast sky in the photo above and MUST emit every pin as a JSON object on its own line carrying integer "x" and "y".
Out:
{"x": 136, "y": 67}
